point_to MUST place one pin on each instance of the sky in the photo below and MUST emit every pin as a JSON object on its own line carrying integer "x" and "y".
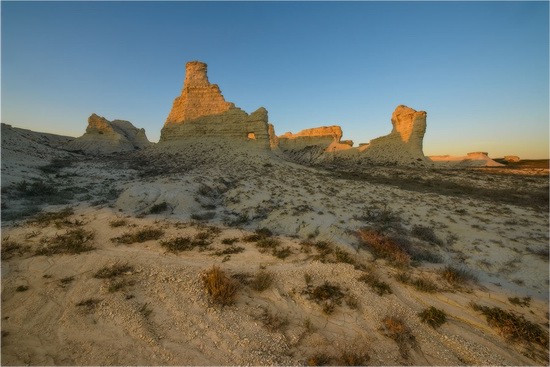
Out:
{"x": 479, "y": 69}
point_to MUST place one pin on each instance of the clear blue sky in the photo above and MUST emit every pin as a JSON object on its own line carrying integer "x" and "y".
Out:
{"x": 480, "y": 69}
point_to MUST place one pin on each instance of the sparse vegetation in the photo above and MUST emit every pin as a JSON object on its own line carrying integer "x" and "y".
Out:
{"x": 229, "y": 251}
{"x": 178, "y": 244}
{"x": 145, "y": 310}
{"x": 282, "y": 253}
{"x": 326, "y": 295}
{"x": 457, "y": 276}
{"x": 427, "y": 234}
{"x": 159, "y": 208}
{"x": 433, "y": 317}
{"x": 74, "y": 241}
{"x": 523, "y": 302}
{"x": 113, "y": 271}
{"x": 142, "y": 235}
{"x": 220, "y": 288}
{"x": 119, "y": 222}
{"x": 63, "y": 282}
{"x": 22, "y": 288}
{"x": 384, "y": 247}
{"x": 422, "y": 284}
{"x": 262, "y": 281}
{"x": 513, "y": 326}
{"x": 230, "y": 241}
{"x": 45, "y": 219}
{"x": 374, "y": 282}
{"x": 11, "y": 248}
{"x": 273, "y": 322}
{"x": 396, "y": 329}
{"x": 89, "y": 304}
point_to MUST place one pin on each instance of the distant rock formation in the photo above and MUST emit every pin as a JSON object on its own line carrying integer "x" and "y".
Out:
{"x": 403, "y": 146}
{"x": 472, "y": 159}
{"x": 201, "y": 112}
{"x": 511, "y": 158}
{"x": 107, "y": 137}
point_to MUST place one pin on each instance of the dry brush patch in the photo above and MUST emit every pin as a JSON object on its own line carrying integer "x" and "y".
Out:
{"x": 433, "y": 317}
{"x": 73, "y": 241}
{"x": 219, "y": 286}
{"x": 512, "y": 325}
{"x": 395, "y": 328}
{"x": 384, "y": 247}
{"x": 141, "y": 235}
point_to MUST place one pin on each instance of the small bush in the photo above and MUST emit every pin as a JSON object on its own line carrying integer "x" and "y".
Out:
{"x": 159, "y": 208}
{"x": 318, "y": 360}
{"x": 220, "y": 288}
{"x": 206, "y": 216}
{"x": 119, "y": 222}
{"x": 513, "y": 326}
{"x": 259, "y": 234}
{"x": 353, "y": 358}
{"x": 524, "y": 302}
{"x": 433, "y": 317}
{"x": 44, "y": 219}
{"x": 11, "y": 249}
{"x": 384, "y": 247}
{"x": 396, "y": 329}
{"x": 266, "y": 243}
{"x": 427, "y": 234}
{"x": 327, "y": 295}
{"x": 273, "y": 322}
{"x": 74, "y": 241}
{"x": 22, "y": 288}
{"x": 378, "y": 286}
{"x": 178, "y": 244}
{"x": 142, "y": 235}
{"x": 113, "y": 271}
{"x": 457, "y": 276}
{"x": 282, "y": 253}
{"x": 230, "y": 241}
{"x": 89, "y": 304}
{"x": 262, "y": 281}
{"x": 145, "y": 311}
{"x": 229, "y": 251}
{"x": 63, "y": 282}
{"x": 420, "y": 284}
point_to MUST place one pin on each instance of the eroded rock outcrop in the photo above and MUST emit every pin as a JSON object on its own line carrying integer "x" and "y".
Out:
{"x": 472, "y": 159}
{"x": 107, "y": 137}
{"x": 403, "y": 145}
{"x": 201, "y": 112}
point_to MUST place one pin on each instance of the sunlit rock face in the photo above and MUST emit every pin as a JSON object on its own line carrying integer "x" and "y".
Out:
{"x": 403, "y": 145}
{"x": 107, "y": 137}
{"x": 202, "y": 113}
{"x": 320, "y": 136}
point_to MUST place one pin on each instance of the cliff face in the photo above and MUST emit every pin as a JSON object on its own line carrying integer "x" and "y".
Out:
{"x": 201, "y": 113}
{"x": 105, "y": 137}
{"x": 321, "y": 137}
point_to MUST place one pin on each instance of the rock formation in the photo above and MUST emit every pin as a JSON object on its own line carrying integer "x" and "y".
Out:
{"x": 107, "y": 137}
{"x": 511, "y": 158}
{"x": 472, "y": 159}
{"x": 201, "y": 112}
{"x": 403, "y": 145}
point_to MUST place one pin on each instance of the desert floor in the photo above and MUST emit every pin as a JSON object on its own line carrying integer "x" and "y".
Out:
{"x": 105, "y": 260}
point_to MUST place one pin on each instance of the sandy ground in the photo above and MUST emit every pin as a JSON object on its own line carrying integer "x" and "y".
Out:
{"x": 161, "y": 313}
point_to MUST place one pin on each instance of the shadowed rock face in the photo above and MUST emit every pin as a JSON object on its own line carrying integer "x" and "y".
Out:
{"x": 201, "y": 114}
{"x": 105, "y": 137}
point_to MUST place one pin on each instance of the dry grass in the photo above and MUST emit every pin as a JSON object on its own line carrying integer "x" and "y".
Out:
{"x": 422, "y": 284}
{"x": 44, "y": 219}
{"x": 328, "y": 296}
{"x": 142, "y": 235}
{"x": 433, "y": 317}
{"x": 384, "y": 247}
{"x": 396, "y": 329}
{"x": 220, "y": 287}
{"x": 457, "y": 276}
{"x": 262, "y": 281}
{"x": 119, "y": 222}
{"x": 513, "y": 326}
{"x": 374, "y": 282}
{"x": 11, "y": 248}
{"x": 74, "y": 241}
{"x": 427, "y": 234}
{"x": 113, "y": 271}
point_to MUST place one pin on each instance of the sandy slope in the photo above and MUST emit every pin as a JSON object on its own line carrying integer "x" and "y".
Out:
{"x": 240, "y": 191}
